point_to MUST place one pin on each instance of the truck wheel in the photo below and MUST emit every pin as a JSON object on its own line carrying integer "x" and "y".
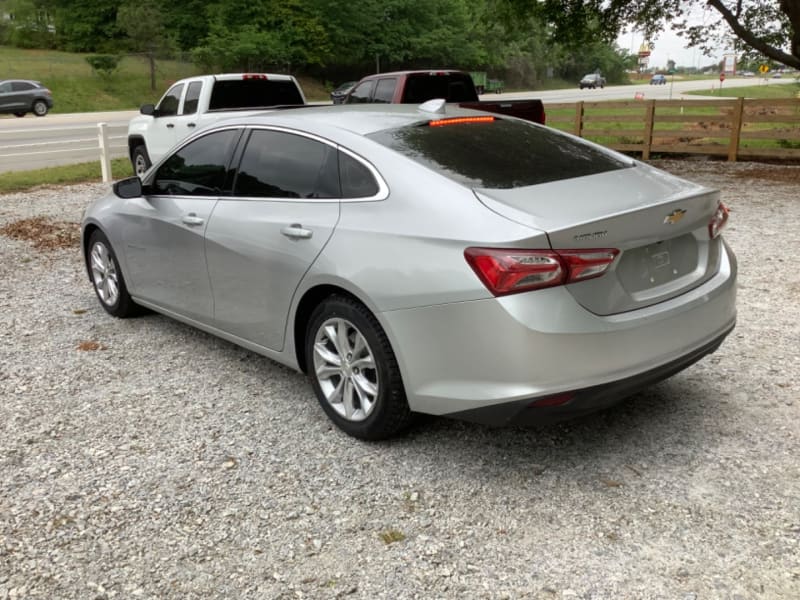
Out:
{"x": 140, "y": 160}
{"x": 40, "y": 108}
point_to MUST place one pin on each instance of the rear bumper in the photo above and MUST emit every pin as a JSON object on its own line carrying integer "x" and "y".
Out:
{"x": 471, "y": 359}
{"x": 575, "y": 403}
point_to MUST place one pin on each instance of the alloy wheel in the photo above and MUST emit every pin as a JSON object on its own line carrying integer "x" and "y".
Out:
{"x": 104, "y": 274}
{"x": 345, "y": 369}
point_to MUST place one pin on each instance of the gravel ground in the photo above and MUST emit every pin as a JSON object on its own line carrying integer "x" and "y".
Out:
{"x": 144, "y": 459}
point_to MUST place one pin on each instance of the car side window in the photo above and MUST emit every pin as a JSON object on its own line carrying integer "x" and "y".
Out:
{"x": 361, "y": 94}
{"x": 357, "y": 180}
{"x": 199, "y": 168}
{"x": 276, "y": 164}
{"x": 192, "y": 97}
{"x": 21, "y": 86}
{"x": 168, "y": 106}
{"x": 5, "y": 87}
{"x": 384, "y": 91}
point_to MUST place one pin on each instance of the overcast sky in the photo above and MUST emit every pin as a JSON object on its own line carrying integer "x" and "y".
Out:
{"x": 669, "y": 45}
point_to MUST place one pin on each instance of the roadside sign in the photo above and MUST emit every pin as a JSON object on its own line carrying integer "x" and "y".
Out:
{"x": 721, "y": 77}
{"x": 763, "y": 68}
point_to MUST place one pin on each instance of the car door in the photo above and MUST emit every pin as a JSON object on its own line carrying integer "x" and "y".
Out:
{"x": 5, "y": 96}
{"x": 164, "y": 229}
{"x": 16, "y": 96}
{"x": 163, "y": 134}
{"x": 186, "y": 119}
{"x": 262, "y": 240}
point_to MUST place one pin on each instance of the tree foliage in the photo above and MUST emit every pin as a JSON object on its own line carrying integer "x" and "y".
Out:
{"x": 340, "y": 40}
{"x": 767, "y": 27}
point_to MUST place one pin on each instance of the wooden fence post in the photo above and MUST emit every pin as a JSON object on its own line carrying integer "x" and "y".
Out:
{"x": 105, "y": 159}
{"x": 736, "y": 129}
{"x": 649, "y": 119}
{"x": 579, "y": 119}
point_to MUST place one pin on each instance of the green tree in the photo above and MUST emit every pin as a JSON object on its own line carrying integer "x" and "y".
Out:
{"x": 31, "y": 25}
{"x": 768, "y": 27}
{"x": 143, "y": 24}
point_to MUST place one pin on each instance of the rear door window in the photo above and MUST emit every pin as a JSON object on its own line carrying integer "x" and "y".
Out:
{"x": 277, "y": 164}
{"x": 384, "y": 91}
{"x": 22, "y": 86}
{"x": 192, "y": 97}
{"x": 498, "y": 153}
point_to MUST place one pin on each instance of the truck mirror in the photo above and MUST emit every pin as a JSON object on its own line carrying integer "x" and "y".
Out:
{"x": 148, "y": 109}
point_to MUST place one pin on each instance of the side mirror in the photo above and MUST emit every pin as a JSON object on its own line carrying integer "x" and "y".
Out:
{"x": 128, "y": 188}
{"x": 148, "y": 109}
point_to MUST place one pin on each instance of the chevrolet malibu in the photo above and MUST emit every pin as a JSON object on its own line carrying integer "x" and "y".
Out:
{"x": 423, "y": 259}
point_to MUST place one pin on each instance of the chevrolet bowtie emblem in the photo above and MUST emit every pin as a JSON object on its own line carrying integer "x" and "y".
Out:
{"x": 675, "y": 216}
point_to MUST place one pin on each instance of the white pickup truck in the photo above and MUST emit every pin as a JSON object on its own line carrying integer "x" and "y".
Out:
{"x": 199, "y": 101}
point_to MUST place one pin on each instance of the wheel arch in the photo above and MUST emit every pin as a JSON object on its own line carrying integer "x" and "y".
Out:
{"x": 133, "y": 142}
{"x": 312, "y": 298}
{"x": 86, "y": 236}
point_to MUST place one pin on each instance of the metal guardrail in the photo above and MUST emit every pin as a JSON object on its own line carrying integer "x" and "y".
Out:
{"x": 108, "y": 141}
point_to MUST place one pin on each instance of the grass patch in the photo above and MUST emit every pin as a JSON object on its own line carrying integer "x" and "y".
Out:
{"x": 765, "y": 91}
{"x": 77, "y": 88}
{"x": 19, "y": 181}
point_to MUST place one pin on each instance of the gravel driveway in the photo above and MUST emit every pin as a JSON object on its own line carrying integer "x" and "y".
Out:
{"x": 144, "y": 459}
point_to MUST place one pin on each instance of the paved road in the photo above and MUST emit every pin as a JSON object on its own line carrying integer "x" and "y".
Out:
{"x": 75, "y": 135}
{"x": 672, "y": 90}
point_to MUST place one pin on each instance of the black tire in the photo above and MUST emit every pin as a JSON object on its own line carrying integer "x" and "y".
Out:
{"x": 40, "y": 108}
{"x": 388, "y": 414}
{"x": 105, "y": 273}
{"x": 140, "y": 160}
{"x": 19, "y": 114}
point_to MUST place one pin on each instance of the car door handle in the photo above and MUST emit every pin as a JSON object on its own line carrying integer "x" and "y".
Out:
{"x": 192, "y": 220}
{"x": 296, "y": 231}
{"x": 170, "y": 125}
{"x": 190, "y": 124}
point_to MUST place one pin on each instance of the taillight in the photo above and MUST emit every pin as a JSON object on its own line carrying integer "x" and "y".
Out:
{"x": 254, "y": 76}
{"x": 718, "y": 220}
{"x": 509, "y": 271}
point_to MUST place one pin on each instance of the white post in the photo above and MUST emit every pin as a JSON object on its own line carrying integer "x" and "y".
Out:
{"x": 105, "y": 160}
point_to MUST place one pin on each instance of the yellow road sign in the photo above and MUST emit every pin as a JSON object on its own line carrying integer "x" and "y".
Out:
{"x": 763, "y": 69}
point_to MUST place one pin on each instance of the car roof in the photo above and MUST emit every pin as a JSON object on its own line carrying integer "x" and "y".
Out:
{"x": 414, "y": 72}
{"x": 361, "y": 119}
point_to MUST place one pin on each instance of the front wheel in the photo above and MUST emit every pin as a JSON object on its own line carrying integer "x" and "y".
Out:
{"x": 354, "y": 371}
{"x": 40, "y": 108}
{"x": 107, "y": 279}
{"x": 140, "y": 160}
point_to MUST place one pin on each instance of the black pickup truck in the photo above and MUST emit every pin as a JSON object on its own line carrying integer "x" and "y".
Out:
{"x": 416, "y": 87}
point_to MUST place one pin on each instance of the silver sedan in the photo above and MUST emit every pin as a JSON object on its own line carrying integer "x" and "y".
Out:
{"x": 423, "y": 260}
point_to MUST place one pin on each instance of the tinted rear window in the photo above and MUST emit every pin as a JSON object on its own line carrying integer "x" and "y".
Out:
{"x": 253, "y": 93}
{"x": 455, "y": 87}
{"x": 500, "y": 154}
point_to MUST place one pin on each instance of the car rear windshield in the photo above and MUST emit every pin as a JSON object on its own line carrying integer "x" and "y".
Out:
{"x": 453, "y": 87}
{"x": 499, "y": 154}
{"x": 253, "y": 93}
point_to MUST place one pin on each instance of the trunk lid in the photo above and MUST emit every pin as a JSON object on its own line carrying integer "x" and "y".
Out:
{"x": 658, "y": 222}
